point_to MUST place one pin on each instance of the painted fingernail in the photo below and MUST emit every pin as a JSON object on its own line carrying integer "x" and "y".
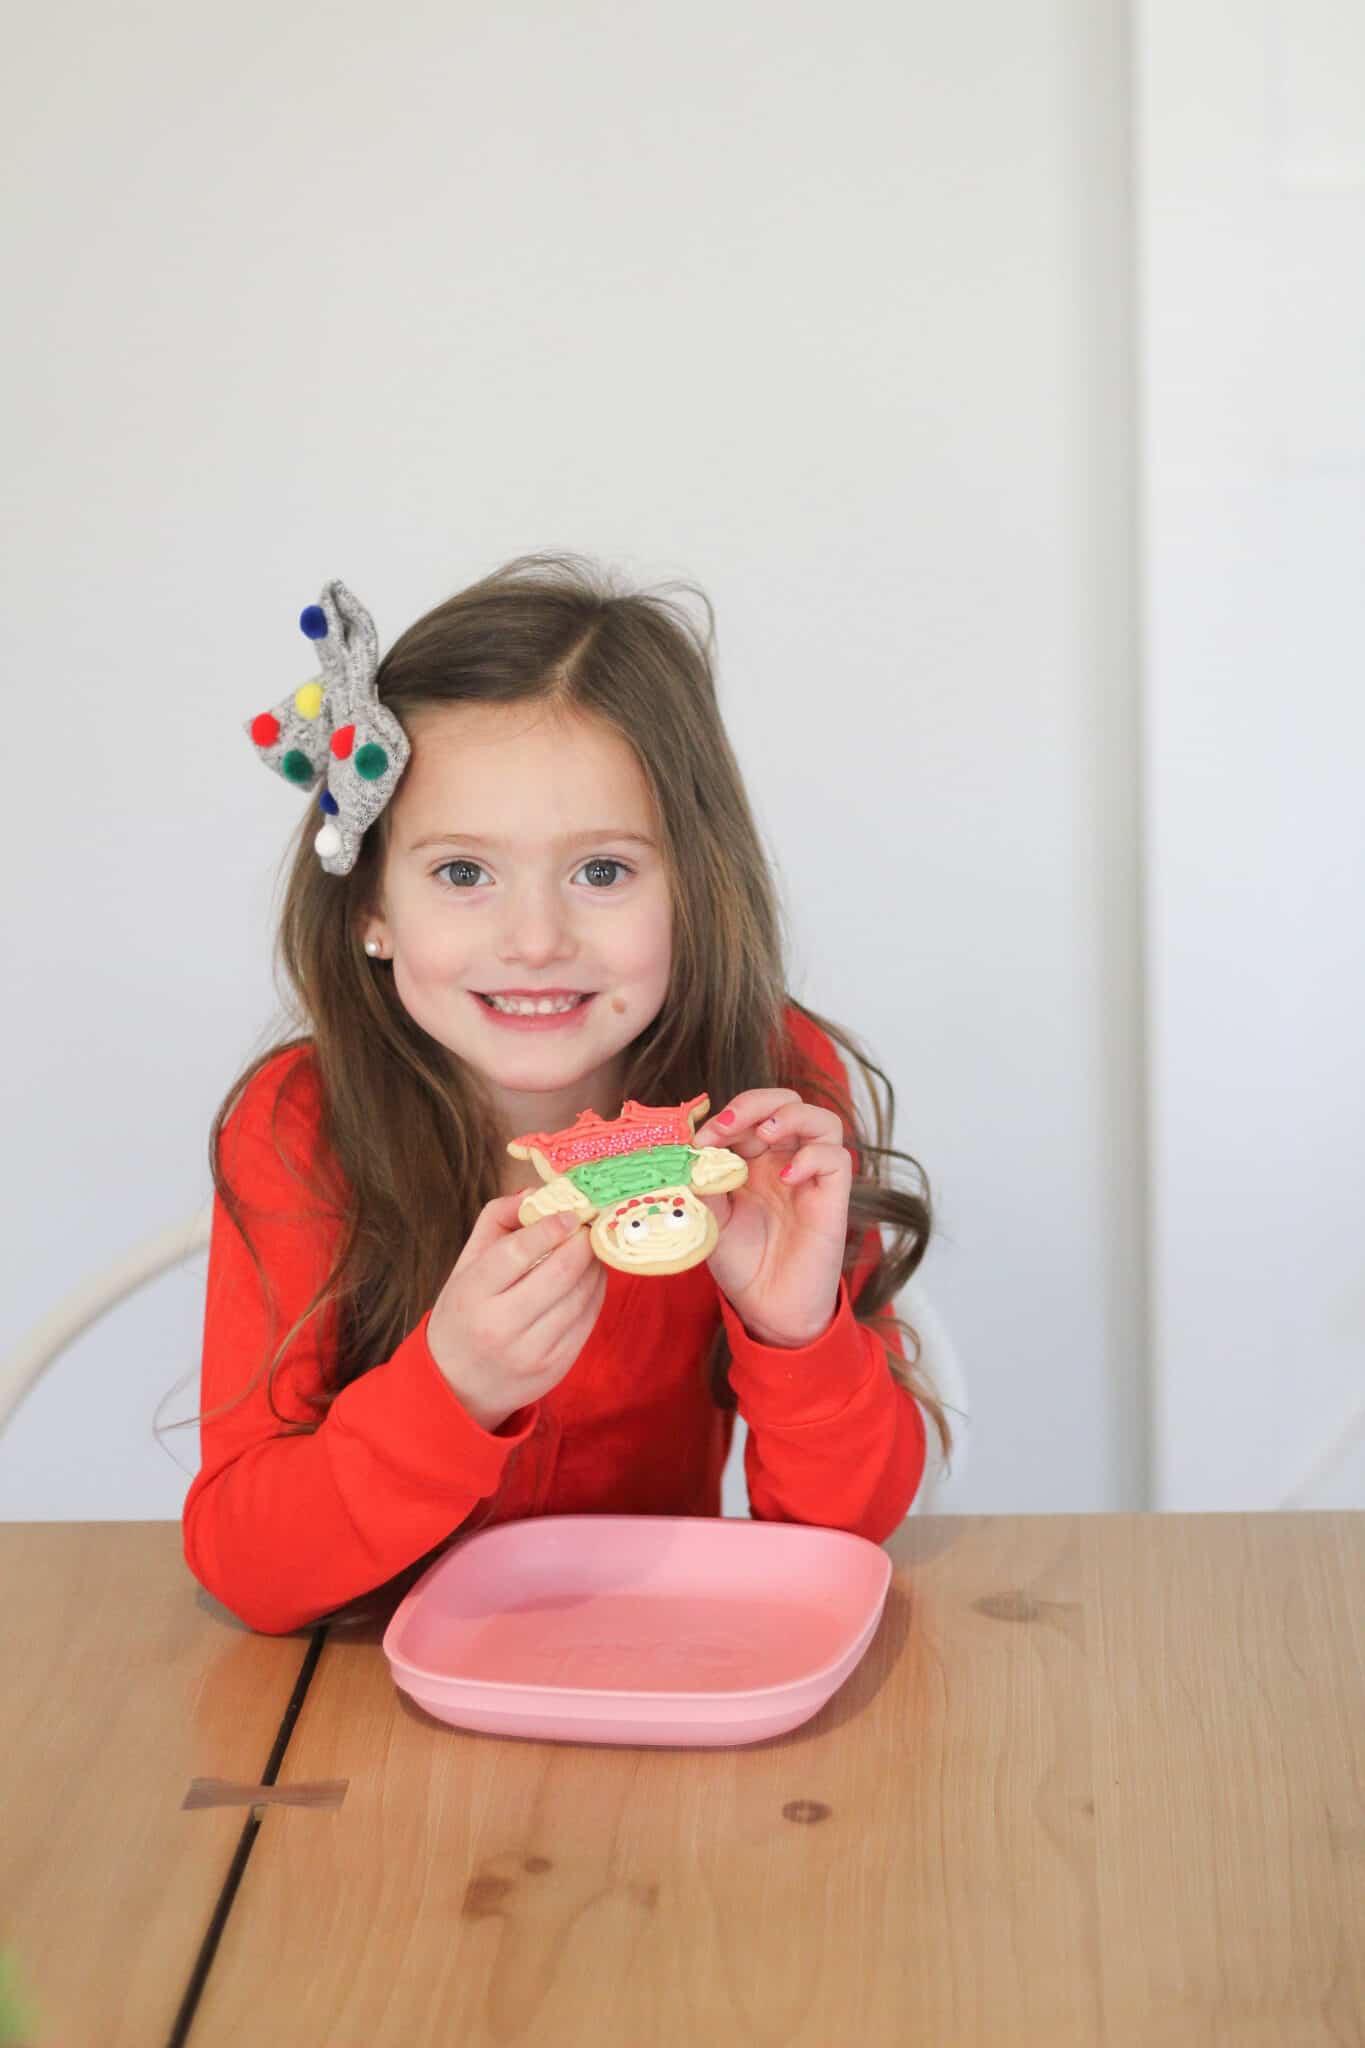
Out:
{"x": 786, "y": 1172}
{"x": 727, "y": 1116}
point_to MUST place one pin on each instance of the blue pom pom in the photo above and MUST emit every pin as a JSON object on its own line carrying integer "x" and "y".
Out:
{"x": 313, "y": 621}
{"x": 327, "y": 802}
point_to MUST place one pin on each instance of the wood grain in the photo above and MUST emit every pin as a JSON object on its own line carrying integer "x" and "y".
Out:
{"x": 1099, "y": 1780}
{"x": 122, "y": 1682}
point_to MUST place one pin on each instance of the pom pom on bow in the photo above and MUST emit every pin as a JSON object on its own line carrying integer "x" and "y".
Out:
{"x": 334, "y": 730}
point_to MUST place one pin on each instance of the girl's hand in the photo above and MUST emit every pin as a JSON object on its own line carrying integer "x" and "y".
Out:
{"x": 516, "y": 1311}
{"x": 782, "y": 1234}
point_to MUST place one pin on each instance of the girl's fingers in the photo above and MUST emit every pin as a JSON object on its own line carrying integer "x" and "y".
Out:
{"x": 744, "y": 1113}
{"x": 817, "y": 1162}
{"x": 493, "y": 1223}
{"x": 547, "y": 1282}
{"x": 807, "y": 1122}
{"x": 551, "y": 1328}
{"x": 522, "y": 1250}
{"x": 782, "y": 1122}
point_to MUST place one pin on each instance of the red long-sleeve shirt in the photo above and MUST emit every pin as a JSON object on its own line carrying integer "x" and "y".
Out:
{"x": 283, "y": 1528}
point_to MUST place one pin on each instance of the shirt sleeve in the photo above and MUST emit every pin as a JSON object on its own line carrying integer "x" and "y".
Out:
{"x": 833, "y": 1438}
{"x": 284, "y": 1526}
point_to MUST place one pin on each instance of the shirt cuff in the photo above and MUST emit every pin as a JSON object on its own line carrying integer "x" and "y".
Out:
{"x": 811, "y": 1384}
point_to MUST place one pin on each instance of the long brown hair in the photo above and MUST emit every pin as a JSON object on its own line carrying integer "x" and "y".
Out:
{"x": 405, "y": 1129}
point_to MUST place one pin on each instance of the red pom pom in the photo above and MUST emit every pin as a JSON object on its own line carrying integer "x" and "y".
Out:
{"x": 265, "y": 730}
{"x": 343, "y": 739}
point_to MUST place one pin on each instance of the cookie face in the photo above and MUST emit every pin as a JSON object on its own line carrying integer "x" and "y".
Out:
{"x": 665, "y": 1231}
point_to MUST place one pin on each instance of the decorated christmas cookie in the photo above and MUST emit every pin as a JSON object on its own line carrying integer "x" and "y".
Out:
{"x": 636, "y": 1180}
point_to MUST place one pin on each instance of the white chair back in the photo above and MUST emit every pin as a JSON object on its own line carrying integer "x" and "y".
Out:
{"x": 85, "y": 1304}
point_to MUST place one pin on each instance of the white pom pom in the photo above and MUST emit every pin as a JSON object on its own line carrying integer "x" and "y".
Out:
{"x": 328, "y": 841}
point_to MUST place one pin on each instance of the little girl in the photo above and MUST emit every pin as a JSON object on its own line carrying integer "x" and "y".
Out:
{"x": 549, "y": 896}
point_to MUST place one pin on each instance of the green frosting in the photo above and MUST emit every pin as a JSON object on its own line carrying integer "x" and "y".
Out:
{"x": 605, "y": 1181}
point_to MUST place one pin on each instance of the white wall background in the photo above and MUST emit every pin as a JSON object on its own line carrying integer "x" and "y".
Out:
{"x": 827, "y": 310}
{"x": 1251, "y": 218}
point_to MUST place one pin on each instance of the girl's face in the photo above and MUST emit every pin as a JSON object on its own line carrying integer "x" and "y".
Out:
{"x": 524, "y": 863}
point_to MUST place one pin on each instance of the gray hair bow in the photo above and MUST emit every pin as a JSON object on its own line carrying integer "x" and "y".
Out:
{"x": 335, "y": 730}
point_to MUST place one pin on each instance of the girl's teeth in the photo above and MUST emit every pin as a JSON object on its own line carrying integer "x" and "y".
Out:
{"x": 524, "y": 1007}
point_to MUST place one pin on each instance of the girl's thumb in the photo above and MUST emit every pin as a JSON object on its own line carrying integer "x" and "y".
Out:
{"x": 493, "y": 1222}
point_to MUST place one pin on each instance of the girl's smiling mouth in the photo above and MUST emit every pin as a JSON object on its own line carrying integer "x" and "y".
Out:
{"x": 554, "y": 1009}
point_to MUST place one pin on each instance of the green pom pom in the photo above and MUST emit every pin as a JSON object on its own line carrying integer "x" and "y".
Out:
{"x": 296, "y": 767}
{"x": 371, "y": 762}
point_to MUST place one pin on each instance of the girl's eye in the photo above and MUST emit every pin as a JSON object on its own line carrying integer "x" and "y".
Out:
{"x": 594, "y": 870}
{"x": 462, "y": 873}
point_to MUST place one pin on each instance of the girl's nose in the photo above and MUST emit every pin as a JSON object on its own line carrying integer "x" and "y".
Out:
{"x": 535, "y": 929}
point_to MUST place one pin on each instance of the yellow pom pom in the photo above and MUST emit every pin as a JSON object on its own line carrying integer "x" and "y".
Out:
{"x": 308, "y": 700}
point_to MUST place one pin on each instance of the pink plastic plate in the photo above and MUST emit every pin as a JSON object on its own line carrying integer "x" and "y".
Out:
{"x": 667, "y": 1630}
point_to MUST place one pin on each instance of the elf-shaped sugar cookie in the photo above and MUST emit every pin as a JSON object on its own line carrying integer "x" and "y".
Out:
{"x": 636, "y": 1180}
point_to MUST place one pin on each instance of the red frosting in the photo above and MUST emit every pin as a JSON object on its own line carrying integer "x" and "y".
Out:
{"x": 591, "y": 1136}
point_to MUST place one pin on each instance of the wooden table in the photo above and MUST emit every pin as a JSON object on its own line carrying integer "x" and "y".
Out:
{"x": 1099, "y": 1780}
{"x": 122, "y": 1682}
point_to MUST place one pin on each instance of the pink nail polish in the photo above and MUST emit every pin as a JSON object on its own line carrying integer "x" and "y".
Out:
{"x": 785, "y": 1174}
{"x": 727, "y": 1116}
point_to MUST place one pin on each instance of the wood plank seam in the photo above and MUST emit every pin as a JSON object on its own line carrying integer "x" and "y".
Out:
{"x": 213, "y": 1933}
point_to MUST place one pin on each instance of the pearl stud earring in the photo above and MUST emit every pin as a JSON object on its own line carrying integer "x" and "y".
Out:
{"x": 372, "y": 948}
